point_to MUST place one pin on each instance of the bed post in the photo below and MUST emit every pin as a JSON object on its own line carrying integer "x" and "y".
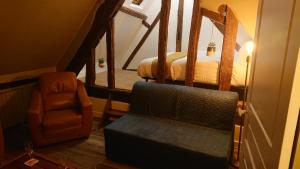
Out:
{"x": 110, "y": 47}
{"x": 229, "y": 43}
{"x": 163, "y": 40}
{"x": 179, "y": 25}
{"x": 193, "y": 43}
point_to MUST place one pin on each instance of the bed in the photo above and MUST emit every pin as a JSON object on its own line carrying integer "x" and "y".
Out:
{"x": 206, "y": 69}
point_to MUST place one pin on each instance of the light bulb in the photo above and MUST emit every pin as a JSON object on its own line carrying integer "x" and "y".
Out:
{"x": 250, "y": 47}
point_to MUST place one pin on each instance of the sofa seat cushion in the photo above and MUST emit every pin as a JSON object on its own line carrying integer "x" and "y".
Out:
{"x": 63, "y": 119}
{"x": 168, "y": 143}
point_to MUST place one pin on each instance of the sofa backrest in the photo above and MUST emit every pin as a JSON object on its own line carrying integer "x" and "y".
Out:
{"x": 211, "y": 108}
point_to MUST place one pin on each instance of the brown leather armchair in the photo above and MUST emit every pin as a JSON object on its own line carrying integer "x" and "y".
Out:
{"x": 60, "y": 109}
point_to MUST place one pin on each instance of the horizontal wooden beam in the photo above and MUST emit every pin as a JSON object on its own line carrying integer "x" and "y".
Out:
{"x": 133, "y": 13}
{"x": 121, "y": 95}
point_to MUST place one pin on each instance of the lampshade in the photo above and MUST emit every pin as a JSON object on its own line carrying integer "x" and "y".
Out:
{"x": 211, "y": 49}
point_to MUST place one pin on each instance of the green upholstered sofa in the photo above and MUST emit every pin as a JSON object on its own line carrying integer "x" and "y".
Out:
{"x": 172, "y": 126}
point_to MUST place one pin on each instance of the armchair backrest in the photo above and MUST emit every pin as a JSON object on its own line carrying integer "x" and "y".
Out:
{"x": 58, "y": 90}
{"x": 211, "y": 108}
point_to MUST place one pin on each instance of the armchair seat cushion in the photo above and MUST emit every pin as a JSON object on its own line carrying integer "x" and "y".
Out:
{"x": 166, "y": 142}
{"x": 62, "y": 119}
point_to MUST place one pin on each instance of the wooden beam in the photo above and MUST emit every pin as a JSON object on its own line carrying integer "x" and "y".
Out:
{"x": 145, "y": 23}
{"x": 90, "y": 74}
{"x": 193, "y": 43}
{"x": 103, "y": 15}
{"x": 133, "y": 13}
{"x": 179, "y": 25}
{"x": 140, "y": 44}
{"x": 221, "y": 28}
{"x": 229, "y": 43}
{"x": 217, "y": 17}
{"x": 163, "y": 40}
{"x": 110, "y": 47}
{"x": 105, "y": 93}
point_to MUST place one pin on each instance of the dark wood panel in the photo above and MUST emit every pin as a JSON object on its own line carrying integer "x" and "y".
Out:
{"x": 163, "y": 40}
{"x": 193, "y": 43}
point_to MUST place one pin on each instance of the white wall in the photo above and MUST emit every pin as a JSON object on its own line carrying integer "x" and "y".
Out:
{"x": 129, "y": 31}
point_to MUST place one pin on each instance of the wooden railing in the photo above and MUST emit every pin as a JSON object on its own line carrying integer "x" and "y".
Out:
{"x": 104, "y": 23}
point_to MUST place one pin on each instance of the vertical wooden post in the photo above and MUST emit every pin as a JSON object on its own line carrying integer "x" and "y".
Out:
{"x": 110, "y": 47}
{"x": 179, "y": 25}
{"x": 193, "y": 43}
{"x": 90, "y": 74}
{"x": 229, "y": 43}
{"x": 163, "y": 40}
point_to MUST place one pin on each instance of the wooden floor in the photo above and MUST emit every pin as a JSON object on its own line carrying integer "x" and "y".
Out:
{"x": 84, "y": 153}
{"x": 124, "y": 78}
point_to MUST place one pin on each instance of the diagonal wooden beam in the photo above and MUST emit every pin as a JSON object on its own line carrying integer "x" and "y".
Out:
{"x": 179, "y": 25}
{"x": 229, "y": 43}
{"x": 103, "y": 15}
{"x": 163, "y": 40}
{"x": 193, "y": 43}
{"x": 142, "y": 41}
{"x": 133, "y": 13}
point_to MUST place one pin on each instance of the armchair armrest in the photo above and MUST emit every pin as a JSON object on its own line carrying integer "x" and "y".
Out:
{"x": 86, "y": 108}
{"x": 35, "y": 115}
{"x": 82, "y": 95}
{"x": 36, "y": 106}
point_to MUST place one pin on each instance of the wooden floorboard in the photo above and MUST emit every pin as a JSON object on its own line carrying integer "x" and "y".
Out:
{"x": 83, "y": 153}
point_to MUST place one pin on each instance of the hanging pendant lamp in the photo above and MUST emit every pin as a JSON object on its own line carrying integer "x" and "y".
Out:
{"x": 211, "y": 48}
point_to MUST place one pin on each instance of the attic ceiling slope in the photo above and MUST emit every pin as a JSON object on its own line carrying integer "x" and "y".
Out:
{"x": 35, "y": 34}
